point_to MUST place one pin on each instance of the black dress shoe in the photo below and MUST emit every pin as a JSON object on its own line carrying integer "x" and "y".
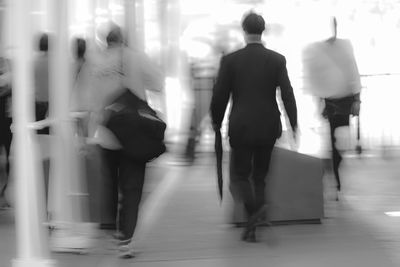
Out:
{"x": 257, "y": 217}
{"x": 253, "y": 222}
{"x": 251, "y": 236}
{"x": 127, "y": 255}
{"x": 120, "y": 239}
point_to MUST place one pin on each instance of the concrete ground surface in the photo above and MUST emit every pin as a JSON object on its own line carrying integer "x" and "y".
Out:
{"x": 183, "y": 223}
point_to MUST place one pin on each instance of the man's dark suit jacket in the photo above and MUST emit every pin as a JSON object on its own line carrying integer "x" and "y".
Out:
{"x": 251, "y": 76}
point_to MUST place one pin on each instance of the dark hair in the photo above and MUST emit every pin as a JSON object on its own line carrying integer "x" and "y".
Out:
{"x": 44, "y": 42}
{"x": 80, "y": 48}
{"x": 253, "y": 23}
{"x": 334, "y": 23}
{"x": 114, "y": 36}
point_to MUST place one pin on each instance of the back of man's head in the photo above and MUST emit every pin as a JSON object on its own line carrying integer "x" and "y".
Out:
{"x": 44, "y": 42}
{"x": 253, "y": 23}
{"x": 114, "y": 37}
{"x": 80, "y": 48}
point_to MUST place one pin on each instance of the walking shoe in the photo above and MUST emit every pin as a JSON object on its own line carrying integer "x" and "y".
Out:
{"x": 126, "y": 251}
{"x": 251, "y": 236}
{"x": 252, "y": 223}
{"x": 256, "y": 217}
{"x": 127, "y": 255}
{"x": 120, "y": 239}
{"x": 124, "y": 242}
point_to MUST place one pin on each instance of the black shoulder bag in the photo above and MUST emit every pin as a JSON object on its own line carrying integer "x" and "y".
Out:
{"x": 136, "y": 126}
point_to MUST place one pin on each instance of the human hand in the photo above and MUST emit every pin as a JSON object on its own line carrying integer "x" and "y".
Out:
{"x": 293, "y": 142}
{"x": 295, "y": 135}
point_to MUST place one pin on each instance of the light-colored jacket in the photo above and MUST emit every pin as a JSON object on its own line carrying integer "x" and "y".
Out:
{"x": 330, "y": 69}
{"x": 114, "y": 69}
{"x": 121, "y": 67}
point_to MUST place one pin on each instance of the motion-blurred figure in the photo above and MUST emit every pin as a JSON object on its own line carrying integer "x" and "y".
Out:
{"x": 124, "y": 68}
{"x": 250, "y": 76}
{"x": 202, "y": 81}
{"x": 5, "y": 118}
{"x": 203, "y": 72}
{"x": 332, "y": 75}
{"x": 41, "y": 78}
{"x": 81, "y": 89}
{"x": 92, "y": 169}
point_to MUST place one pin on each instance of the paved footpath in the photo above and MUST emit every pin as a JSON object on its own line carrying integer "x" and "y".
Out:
{"x": 183, "y": 224}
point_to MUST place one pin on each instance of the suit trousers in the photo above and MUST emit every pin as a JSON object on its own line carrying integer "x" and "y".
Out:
{"x": 127, "y": 178}
{"x": 248, "y": 171}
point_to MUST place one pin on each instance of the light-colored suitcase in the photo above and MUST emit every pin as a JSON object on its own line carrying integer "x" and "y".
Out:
{"x": 294, "y": 189}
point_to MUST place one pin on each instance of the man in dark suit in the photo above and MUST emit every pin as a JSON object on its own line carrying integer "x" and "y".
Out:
{"x": 250, "y": 76}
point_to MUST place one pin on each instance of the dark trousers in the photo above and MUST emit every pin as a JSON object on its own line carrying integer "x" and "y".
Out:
{"x": 41, "y": 109}
{"x": 336, "y": 121}
{"x": 5, "y": 135}
{"x": 127, "y": 178}
{"x": 193, "y": 134}
{"x": 248, "y": 171}
{"x": 5, "y": 140}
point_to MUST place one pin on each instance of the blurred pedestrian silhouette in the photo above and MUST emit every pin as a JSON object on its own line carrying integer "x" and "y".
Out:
{"x": 41, "y": 79}
{"x": 81, "y": 89}
{"x": 250, "y": 76}
{"x": 202, "y": 81}
{"x": 123, "y": 68}
{"x": 5, "y": 118}
{"x": 331, "y": 71}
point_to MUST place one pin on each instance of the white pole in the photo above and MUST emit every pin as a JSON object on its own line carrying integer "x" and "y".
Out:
{"x": 67, "y": 192}
{"x": 60, "y": 210}
{"x": 131, "y": 23}
{"x": 140, "y": 25}
{"x": 32, "y": 242}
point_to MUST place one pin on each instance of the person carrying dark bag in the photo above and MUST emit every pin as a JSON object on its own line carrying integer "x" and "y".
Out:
{"x": 128, "y": 119}
{"x": 137, "y": 127}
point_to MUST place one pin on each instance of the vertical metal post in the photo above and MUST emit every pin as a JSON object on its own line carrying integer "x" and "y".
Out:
{"x": 140, "y": 25}
{"x": 170, "y": 35}
{"x": 66, "y": 183}
{"x": 130, "y": 22}
{"x": 59, "y": 113}
{"x": 92, "y": 8}
{"x": 32, "y": 242}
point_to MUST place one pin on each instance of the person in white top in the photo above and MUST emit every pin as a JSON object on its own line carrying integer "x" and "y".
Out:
{"x": 331, "y": 73}
{"x": 118, "y": 69}
{"x": 41, "y": 81}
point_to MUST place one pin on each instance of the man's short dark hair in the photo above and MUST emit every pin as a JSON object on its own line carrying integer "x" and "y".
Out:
{"x": 80, "y": 47}
{"x": 253, "y": 23}
{"x": 114, "y": 36}
{"x": 44, "y": 42}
